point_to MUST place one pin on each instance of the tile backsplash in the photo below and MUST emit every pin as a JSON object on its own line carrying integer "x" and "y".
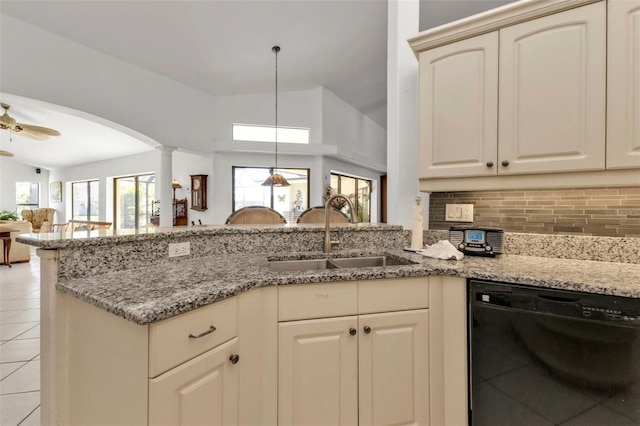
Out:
{"x": 611, "y": 212}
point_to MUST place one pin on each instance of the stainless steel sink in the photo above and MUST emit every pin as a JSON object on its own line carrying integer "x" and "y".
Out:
{"x": 370, "y": 261}
{"x": 300, "y": 265}
{"x": 337, "y": 263}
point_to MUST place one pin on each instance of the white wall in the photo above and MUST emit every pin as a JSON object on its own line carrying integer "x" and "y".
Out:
{"x": 355, "y": 135}
{"x": 173, "y": 114}
{"x": 12, "y": 171}
{"x": 402, "y": 114}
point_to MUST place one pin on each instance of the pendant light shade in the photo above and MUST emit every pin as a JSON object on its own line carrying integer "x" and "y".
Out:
{"x": 276, "y": 179}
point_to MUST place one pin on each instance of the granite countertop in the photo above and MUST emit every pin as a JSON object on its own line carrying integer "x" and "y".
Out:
{"x": 149, "y": 294}
{"x": 81, "y": 239}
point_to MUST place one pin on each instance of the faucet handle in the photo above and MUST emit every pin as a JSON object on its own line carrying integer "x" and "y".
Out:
{"x": 335, "y": 243}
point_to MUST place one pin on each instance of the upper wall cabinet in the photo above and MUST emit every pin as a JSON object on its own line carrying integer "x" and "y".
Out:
{"x": 623, "y": 96}
{"x": 517, "y": 97}
{"x": 552, "y": 93}
{"x": 459, "y": 108}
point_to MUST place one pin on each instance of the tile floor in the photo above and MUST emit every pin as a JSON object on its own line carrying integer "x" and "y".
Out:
{"x": 20, "y": 344}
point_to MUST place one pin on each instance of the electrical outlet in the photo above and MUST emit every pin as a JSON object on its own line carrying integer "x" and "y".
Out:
{"x": 458, "y": 213}
{"x": 179, "y": 249}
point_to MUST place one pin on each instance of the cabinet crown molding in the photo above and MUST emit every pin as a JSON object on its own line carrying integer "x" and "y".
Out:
{"x": 490, "y": 20}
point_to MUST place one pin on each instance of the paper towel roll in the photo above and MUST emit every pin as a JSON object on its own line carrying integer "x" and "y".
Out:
{"x": 417, "y": 227}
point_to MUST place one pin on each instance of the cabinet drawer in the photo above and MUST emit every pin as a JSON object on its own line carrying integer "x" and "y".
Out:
{"x": 399, "y": 294}
{"x": 317, "y": 301}
{"x": 169, "y": 341}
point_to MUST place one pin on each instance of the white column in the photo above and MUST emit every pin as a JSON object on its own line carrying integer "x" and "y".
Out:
{"x": 402, "y": 113}
{"x": 164, "y": 191}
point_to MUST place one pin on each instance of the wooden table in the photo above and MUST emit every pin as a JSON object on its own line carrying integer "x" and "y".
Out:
{"x": 5, "y": 236}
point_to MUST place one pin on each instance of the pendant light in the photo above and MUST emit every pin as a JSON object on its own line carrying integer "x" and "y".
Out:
{"x": 276, "y": 179}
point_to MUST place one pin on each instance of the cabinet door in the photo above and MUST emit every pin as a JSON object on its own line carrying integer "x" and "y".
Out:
{"x": 552, "y": 93}
{"x": 203, "y": 391}
{"x": 393, "y": 364}
{"x": 458, "y": 108}
{"x": 623, "y": 90}
{"x": 318, "y": 372}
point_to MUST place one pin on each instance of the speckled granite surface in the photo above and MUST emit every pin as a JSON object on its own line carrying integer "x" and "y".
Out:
{"x": 150, "y": 294}
{"x": 604, "y": 249}
{"x": 130, "y": 275}
{"x": 83, "y": 254}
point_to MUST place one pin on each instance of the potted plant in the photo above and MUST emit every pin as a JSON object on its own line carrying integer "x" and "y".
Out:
{"x": 7, "y": 215}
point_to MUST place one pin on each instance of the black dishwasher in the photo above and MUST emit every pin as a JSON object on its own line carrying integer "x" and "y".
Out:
{"x": 550, "y": 357}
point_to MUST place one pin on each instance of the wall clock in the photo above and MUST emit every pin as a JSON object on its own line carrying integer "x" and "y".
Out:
{"x": 199, "y": 192}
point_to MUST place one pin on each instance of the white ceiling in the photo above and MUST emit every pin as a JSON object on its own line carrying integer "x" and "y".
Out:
{"x": 224, "y": 48}
{"x": 84, "y": 138}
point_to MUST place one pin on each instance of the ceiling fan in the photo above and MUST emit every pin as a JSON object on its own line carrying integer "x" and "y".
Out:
{"x": 34, "y": 132}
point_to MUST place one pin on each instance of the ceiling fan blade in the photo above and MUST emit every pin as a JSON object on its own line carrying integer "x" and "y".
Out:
{"x": 5, "y": 154}
{"x": 29, "y": 134}
{"x": 37, "y": 129}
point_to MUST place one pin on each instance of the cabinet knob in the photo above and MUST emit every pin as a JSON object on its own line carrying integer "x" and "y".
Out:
{"x": 234, "y": 358}
{"x": 352, "y": 331}
{"x": 489, "y": 163}
{"x": 505, "y": 163}
{"x": 367, "y": 329}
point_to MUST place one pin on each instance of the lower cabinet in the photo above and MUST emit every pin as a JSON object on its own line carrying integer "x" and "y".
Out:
{"x": 383, "y": 352}
{"x": 202, "y": 391}
{"x": 357, "y": 369}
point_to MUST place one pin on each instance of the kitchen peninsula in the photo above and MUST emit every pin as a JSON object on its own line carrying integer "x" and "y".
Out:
{"x": 116, "y": 313}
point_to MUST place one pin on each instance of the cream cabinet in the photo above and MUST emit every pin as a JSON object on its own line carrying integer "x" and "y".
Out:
{"x": 318, "y": 372}
{"x": 552, "y": 93}
{"x": 545, "y": 113}
{"x": 623, "y": 86}
{"x": 459, "y": 108}
{"x": 202, "y": 391}
{"x": 215, "y": 365}
{"x": 368, "y": 366}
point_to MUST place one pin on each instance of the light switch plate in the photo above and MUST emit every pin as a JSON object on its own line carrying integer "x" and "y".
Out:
{"x": 458, "y": 213}
{"x": 179, "y": 249}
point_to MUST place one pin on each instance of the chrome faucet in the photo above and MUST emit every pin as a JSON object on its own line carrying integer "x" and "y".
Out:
{"x": 327, "y": 212}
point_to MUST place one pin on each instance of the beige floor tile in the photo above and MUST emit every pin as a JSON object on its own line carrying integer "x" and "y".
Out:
{"x": 9, "y": 331}
{"x": 33, "y": 333}
{"x": 16, "y": 407}
{"x": 33, "y": 419}
{"x": 6, "y": 315}
{"x": 19, "y": 350}
{"x": 20, "y": 304}
{"x": 28, "y": 315}
{"x": 7, "y": 368}
{"x": 25, "y": 379}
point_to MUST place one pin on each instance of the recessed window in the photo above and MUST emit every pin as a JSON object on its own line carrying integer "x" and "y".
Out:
{"x": 359, "y": 192}
{"x": 27, "y": 196}
{"x": 85, "y": 202}
{"x": 257, "y": 133}
{"x": 289, "y": 201}
{"x": 133, "y": 201}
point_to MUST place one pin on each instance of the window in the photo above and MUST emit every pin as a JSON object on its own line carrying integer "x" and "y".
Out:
{"x": 27, "y": 196}
{"x": 133, "y": 198}
{"x": 290, "y": 201}
{"x": 257, "y": 133}
{"x": 359, "y": 192}
{"x": 84, "y": 200}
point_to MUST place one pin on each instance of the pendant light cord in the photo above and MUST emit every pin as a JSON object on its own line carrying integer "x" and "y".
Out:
{"x": 276, "y": 49}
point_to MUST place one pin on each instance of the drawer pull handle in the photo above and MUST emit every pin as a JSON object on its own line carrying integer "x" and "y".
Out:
{"x": 505, "y": 163}
{"x": 209, "y": 331}
{"x": 234, "y": 358}
{"x": 352, "y": 331}
{"x": 367, "y": 329}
